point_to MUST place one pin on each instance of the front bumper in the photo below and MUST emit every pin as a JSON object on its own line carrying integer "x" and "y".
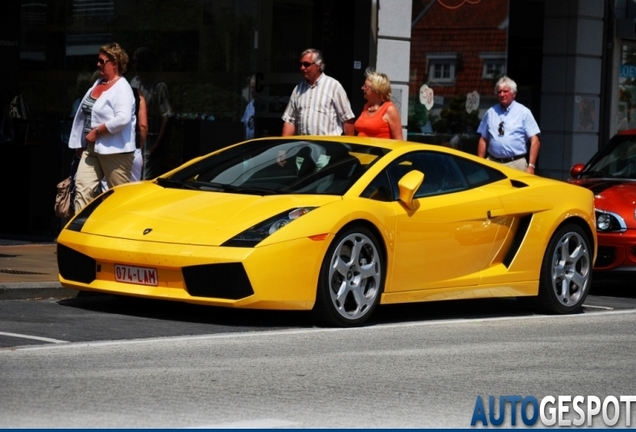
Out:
{"x": 278, "y": 276}
{"x": 616, "y": 252}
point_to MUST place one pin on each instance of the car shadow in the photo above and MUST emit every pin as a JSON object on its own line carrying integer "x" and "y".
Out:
{"x": 614, "y": 288}
{"x": 230, "y": 319}
{"x": 449, "y": 310}
{"x": 608, "y": 293}
{"x": 187, "y": 313}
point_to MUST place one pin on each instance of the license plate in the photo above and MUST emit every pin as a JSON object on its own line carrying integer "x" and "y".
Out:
{"x": 136, "y": 275}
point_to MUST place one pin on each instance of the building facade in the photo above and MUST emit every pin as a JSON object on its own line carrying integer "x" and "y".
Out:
{"x": 230, "y": 66}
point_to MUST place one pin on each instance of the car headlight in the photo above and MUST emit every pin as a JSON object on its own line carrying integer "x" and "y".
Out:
{"x": 77, "y": 223}
{"x": 256, "y": 234}
{"x": 609, "y": 222}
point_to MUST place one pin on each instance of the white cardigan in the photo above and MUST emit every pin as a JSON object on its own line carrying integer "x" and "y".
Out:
{"x": 116, "y": 109}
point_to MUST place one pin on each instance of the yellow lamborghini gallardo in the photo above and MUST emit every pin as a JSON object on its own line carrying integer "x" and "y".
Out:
{"x": 338, "y": 226}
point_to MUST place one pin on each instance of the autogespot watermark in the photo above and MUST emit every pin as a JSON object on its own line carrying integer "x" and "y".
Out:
{"x": 558, "y": 411}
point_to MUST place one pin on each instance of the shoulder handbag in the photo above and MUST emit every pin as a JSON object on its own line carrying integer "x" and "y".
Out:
{"x": 63, "y": 207}
{"x": 66, "y": 193}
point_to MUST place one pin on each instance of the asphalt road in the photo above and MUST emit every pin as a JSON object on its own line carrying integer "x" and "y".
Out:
{"x": 95, "y": 317}
{"x": 101, "y": 362}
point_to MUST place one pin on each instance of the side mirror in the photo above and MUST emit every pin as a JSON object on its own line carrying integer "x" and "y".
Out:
{"x": 576, "y": 170}
{"x": 407, "y": 185}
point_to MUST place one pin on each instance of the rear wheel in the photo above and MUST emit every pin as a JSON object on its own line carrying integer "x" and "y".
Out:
{"x": 566, "y": 272}
{"x": 351, "y": 279}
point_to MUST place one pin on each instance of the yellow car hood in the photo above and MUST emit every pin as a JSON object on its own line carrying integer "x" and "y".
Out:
{"x": 149, "y": 212}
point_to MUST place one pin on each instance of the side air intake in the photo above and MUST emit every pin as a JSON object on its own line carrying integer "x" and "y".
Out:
{"x": 524, "y": 224}
{"x": 225, "y": 281}
{"x": 75, "y": 266}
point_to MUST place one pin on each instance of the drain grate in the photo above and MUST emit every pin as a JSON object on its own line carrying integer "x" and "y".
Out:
{"x": 21, "y": 272}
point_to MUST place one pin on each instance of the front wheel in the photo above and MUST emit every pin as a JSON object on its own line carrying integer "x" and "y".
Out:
{"x": 566, "y": 272}
{"x": 351, "y": 279}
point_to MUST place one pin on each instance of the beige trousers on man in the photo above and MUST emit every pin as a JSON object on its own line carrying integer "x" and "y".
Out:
{"x": 115, "y": 168}
{"x": 520, "y": 164}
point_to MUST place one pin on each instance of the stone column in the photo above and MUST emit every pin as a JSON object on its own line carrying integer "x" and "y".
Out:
{"x": 394, "y": 50}
{"x": 571, "y": 84}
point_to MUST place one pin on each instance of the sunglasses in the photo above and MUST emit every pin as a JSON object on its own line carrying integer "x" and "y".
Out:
{"x": 501, "y": 129}
{"x": 102, "y": 62}
{"x": 305, "y": 64}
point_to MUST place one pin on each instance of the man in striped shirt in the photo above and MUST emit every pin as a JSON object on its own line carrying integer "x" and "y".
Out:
{"x": 319, "y": 105}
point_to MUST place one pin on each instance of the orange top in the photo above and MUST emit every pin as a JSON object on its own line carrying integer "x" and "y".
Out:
{"x": 370, "y": 124}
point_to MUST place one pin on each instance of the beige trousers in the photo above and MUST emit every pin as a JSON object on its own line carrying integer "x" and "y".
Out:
{"x": 520, "y": 164}
{"x": 115, "y": 168}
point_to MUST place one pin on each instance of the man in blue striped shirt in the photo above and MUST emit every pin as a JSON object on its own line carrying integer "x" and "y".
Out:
{"x": 319, "y": 105}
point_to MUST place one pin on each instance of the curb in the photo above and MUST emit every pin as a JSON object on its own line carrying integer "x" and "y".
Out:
{"x": 35, "y": 291}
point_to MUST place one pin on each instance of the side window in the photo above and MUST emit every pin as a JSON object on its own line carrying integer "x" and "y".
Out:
{"x": 443, "y": 173}
{"x": 477, "y": 174}
{"x": 379, "y": 189}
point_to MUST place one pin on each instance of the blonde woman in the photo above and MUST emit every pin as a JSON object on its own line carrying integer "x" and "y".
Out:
{"x": 379, "y": 118}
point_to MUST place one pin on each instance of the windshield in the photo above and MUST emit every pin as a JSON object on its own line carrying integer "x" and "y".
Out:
{"x": 616, "y": 160}
{"x": 279, "y": 166}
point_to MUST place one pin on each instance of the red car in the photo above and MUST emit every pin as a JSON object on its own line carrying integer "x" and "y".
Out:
{"x": 611, "y": 175}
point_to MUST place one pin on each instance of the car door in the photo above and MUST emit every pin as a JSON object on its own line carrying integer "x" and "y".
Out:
{"x": 449, "y": 239}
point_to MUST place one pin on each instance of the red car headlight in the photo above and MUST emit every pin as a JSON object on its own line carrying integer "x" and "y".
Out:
{"x": 609, "y": 222}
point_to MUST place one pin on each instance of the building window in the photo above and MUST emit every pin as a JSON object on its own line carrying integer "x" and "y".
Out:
{"x": 442, "y": 72}
{"x": 442, "y": 68}
{"x": 494, "y": 65}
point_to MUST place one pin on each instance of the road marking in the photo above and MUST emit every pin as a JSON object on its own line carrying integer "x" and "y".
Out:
{"x": 250, "y": 424}
{"x": 43, "y": 339}
{"x": 598, "y": 307}
{"x": 379, "y": 327}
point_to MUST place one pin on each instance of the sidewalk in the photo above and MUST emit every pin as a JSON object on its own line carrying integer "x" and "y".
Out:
{"x": 28, "y": 270}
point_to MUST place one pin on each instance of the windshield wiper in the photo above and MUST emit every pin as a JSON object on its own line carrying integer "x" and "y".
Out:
{"x": 215, "y": 187}
{"x": 249, "y": 189}
{"x": 178, "y": 184}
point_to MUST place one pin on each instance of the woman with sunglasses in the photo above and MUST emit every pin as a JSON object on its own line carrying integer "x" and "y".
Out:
{"x": 379, "y": 118}
{"x": 103, "y": 130}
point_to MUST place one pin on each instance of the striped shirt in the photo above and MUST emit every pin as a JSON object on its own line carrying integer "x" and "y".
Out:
{"x": 87, "y": 108}
{"x": 320, "y": 109}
